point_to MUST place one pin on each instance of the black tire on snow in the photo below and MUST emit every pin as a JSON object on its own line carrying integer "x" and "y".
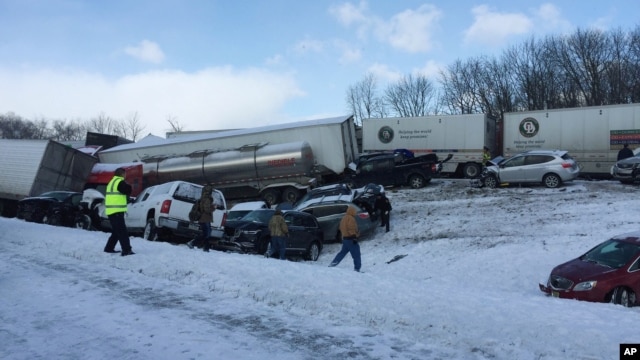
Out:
{"x": 150, "y": 231}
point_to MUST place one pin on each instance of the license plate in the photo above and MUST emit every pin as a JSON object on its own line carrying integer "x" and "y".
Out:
{"x": 555, "y": 294}
{"x": 194, "y": 226}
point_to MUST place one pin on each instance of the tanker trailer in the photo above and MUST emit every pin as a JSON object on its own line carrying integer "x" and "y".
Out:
{"x": 273, "y": 172}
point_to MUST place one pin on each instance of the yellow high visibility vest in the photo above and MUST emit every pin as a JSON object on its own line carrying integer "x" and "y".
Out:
{"x": 114, "y": 201}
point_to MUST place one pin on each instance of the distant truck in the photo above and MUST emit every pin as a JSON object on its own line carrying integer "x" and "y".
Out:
{"x": 463, "y": 136}
{"x": 32, "y": 167}
{"x": 395, "y": 170}
{"x": 276, "y": 163}
{"x": 592, "y": 135}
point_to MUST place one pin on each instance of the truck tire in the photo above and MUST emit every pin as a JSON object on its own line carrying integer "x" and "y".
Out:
{"x": 290, "y": 194}
{"x": 417, "y": 181}
{"x": 471, "y": 170}
{"x": 150, "y": 231}
{"x": 272, "y": 196}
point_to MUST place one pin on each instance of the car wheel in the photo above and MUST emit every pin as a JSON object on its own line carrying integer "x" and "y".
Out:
{"x": 551, "y": 181}
{"x": 290, "y": 194}
{"x": 313, "y": 253}
{"x": 471, "y": 170}
{"x": 623, "y": 296}
{"x": 83, "y": 222}
{"x": 150, "y": 231}
{"x": 416, "y": 181}
{"x": 272, "y": 196}
{"x": 51, "y": 219}
{"x": 491, "y": 181}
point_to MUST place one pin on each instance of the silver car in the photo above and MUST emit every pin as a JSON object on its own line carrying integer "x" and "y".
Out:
{"x": 627, "y": 170}
{"x": 548, "y": 167}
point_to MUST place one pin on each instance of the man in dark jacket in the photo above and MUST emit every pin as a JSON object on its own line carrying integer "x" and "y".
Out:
{"x": 115, "y": 201}
{"x": 383, "y": 205}
{"x": 625, "y": 152}
{"x": 207, "y": 207}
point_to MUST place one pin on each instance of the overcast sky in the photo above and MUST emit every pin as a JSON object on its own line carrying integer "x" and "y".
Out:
{"x": 211, "y": 64}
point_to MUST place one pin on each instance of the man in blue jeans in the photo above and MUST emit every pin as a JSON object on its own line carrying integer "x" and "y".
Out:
{"x": 350, "y": 234}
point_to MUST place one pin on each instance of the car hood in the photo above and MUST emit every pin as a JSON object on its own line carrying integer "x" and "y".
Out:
{"x": 579, "y": 270}
{"x": 631, "y": 160}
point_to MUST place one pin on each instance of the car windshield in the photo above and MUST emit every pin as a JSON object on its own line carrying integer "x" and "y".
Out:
{"x": 612, "y": 253}
{"x": 259, "y": 216}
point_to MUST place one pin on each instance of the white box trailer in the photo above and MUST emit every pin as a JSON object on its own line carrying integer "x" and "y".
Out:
{"x": 464, "y": 136}
{"x": 32, "y": 167}
{"x": 592, "y": 135}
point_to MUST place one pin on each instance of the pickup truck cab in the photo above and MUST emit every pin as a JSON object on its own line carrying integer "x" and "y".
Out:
{"x": 161, "y": 212}
{"x": 395, "y": 170}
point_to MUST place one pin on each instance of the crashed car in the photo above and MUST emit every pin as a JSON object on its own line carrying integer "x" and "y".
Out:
{"x": 627, "y": 171}
{"x": 550, "y": 168}
{"x": 59, "y": 208}
{"x": 609, "y": 272}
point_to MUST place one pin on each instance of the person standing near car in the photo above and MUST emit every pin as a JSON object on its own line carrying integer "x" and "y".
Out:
{"x": 115, "y": 202}
{"x": 383, "y": 205}
{"x": 486, "y": 156}
{"x": 350, "y": 234}
{"x": 206, "y": 206}
{"x": 625, "y": 152}
{"x": 279, "y": 233}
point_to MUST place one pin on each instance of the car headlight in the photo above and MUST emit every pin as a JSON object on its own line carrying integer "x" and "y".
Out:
{"x": 585, "y": 286}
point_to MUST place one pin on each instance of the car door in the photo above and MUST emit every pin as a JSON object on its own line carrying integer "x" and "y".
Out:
{"x": 136, "y": 216}
{"x": 535, "y": 168}
{"x": 512, "y": 170}
{"x": 298, "y": 236}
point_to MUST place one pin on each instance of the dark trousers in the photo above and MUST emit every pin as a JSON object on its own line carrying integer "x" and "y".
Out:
{"x": 349, "y": 245}
{"x": 278, "y": 247}
{"x": 203, "y": 238}
{"x": 384, "y": 219}
{"x": 118, "y": 233}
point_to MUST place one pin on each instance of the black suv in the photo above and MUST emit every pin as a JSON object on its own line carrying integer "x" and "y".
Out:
{"x": 251, "y": 234}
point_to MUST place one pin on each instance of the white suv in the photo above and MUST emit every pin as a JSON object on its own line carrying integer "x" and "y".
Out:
{"x": 162, "y": 211}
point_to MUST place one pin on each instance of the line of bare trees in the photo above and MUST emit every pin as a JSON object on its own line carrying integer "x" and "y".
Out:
{"x": 585, "y": 68}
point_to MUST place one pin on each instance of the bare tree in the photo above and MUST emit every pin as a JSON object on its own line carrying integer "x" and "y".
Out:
{"x": 175, "y": 124}
{"x": 362, "y": 100}
{"x": 459, "y": 87}
{"x": 102, "y": 124}
{"x": 133, "y": 127}
{"x": 68, "y": 131}
{"x": 411, "y": 96}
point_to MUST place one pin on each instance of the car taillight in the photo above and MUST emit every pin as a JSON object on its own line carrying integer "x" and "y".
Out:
{"x": 566, "y": 165}
{"x": 363, "y": 215}
{"x": 224, "y": 219}
{"x": 166, "y": 205}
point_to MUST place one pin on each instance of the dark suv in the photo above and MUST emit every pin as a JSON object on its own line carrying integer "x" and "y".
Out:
{"x": 251, "y": 234}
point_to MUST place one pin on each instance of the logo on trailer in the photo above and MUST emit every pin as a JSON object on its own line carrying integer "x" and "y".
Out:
{"x": 529, "y": 127}
{"x": 385, "y": 134}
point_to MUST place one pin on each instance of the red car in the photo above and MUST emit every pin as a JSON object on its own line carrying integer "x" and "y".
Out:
{"x": 610, "y": 272}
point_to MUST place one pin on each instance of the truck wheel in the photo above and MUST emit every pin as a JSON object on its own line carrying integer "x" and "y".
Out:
{"x": 471, "y": 170}
{"x": 491, "y": 182}
{"x": 417, "y": 181}
{"x": 314, "y": 251}
{"x": 150, "y": 231}
{"x": 551, "y": 181}
{"x": 272, "y": 196}
{"x": 290, "y": 194}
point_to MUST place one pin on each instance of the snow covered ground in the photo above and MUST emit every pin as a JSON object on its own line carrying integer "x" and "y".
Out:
{"x": 467, "y": 289}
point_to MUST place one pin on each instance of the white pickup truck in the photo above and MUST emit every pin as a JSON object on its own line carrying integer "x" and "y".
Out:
{"x": 161, "y": 212}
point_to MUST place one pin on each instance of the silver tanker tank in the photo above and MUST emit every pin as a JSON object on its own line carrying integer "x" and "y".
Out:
{"x": 246, "y": 171}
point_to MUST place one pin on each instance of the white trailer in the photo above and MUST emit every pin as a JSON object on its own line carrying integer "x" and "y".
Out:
{"x": 32, "y": 167}
{"x": 593, "y": 135}
{"x": 464, "y": 136}
{"x": 332, "y": 141}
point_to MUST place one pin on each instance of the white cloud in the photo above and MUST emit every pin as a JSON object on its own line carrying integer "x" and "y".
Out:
{"x": 410, "y": 30}
{"x": 495, "y": 28}
{"x": 431, "y": 70}
{"x": 384, "y": 73}
{"x": 548, "y": 18}
{"x": 213, "y": 98}
{"x": 146, "y": 51}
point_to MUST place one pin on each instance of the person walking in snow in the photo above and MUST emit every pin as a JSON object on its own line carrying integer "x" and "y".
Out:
{"x": 115, "y": 202}
{"x": 383, "y": 205}
{"x": 207, "y": 207}
{"x": 350, "y": 234}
